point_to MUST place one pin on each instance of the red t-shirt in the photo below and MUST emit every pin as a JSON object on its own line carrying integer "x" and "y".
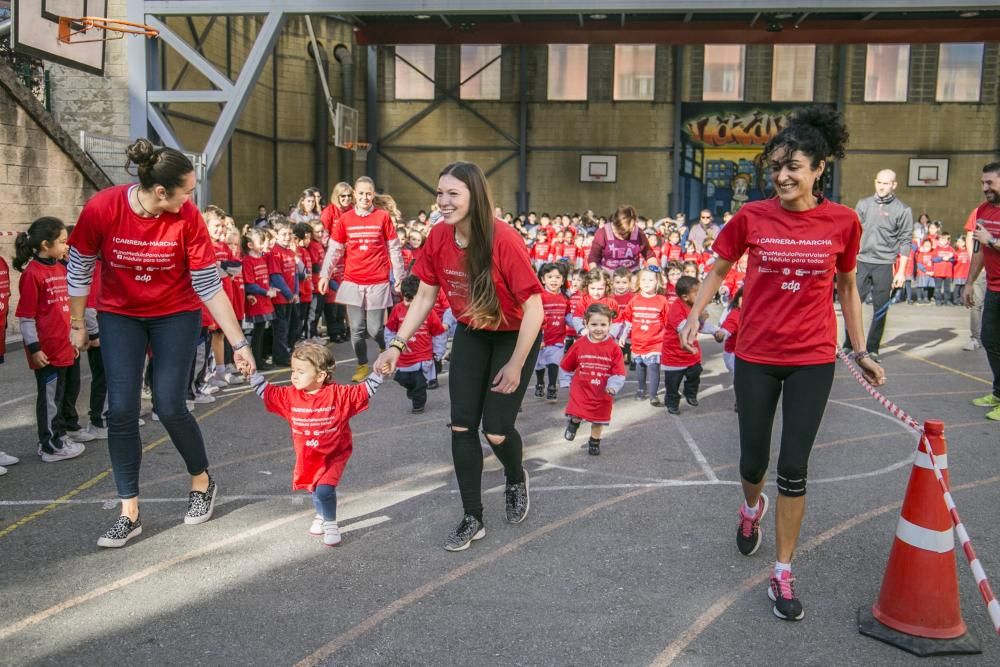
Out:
{"x": 671, "y": 353}
{"x": 648, "y": 315}
{"x": 321, "y": 430}
{"x": 793, "y": 256}
{"x": 541, "y": 251}
{"x": 4, "y": 303}
{"x": 420, "y": 347}
{"x": 282, "y": 261}
{"x": 440, "y": 304}
{"x": 586, "y": 301}
{"x": 925, "y": 263}
{"x": 732, "y": 325}
{"x": 305, "y": 286}
{"x": 556, "y": 308}
{"x": 330, "y": 215}
{"x": 442, "y": 264}
{"x": 945, "y": 268}
{"x": 962, "y": 260}
{"x": 146, "y": 262}
{"x": 988, "y": 216}
{"x": 44, "y": 299}
{"x": 366, "y": 245}
{"x": 671, "y": 253}
{"x": 255, "y": 272}
{"x": 592, "y": 364}
{"x": 316, "y": 253}
{"x": 622, "y": 300}
{"x": 574, "y": 302}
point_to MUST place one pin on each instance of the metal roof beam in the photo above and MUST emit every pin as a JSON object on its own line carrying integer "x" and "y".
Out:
{"x": 222, "y": 7}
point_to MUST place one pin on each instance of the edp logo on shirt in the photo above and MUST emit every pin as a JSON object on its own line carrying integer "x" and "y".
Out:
{"x": 791, "y": 285}
{"x": 144, "y": 278}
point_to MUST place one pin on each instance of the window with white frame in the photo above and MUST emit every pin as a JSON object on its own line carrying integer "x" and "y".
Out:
{"x": 887, "y": 70}
{"x": 793, "y": 72}
{"x": 412, "y": 84}
{"x": 960, "y": 72}
{"x": 724, "y": 72}
{"x": 635, "y": 68}
{"x": 486, "y": 84}
{"x": 568, "y": 72}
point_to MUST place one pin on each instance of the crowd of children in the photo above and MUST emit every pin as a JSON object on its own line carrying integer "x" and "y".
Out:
{"x": 935, "y": 270}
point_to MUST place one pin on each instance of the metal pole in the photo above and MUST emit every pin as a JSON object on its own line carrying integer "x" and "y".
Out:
{"x": 522, "y": 126}
{"x": 371, "y": 111}
{"x": 675, "y": 199}
{"x": 841, "y": 102}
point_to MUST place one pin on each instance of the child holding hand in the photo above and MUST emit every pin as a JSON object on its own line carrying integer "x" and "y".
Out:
{"x": 319, "y": 412}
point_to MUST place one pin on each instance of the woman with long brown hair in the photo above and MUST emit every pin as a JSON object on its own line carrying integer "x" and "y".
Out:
{"x": 482, "y": 265}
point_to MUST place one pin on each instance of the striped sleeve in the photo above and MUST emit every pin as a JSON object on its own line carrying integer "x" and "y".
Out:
{"x": 206, "y": 282}
{"x": 80, "y": 272}
{"x": 373, "y": 382}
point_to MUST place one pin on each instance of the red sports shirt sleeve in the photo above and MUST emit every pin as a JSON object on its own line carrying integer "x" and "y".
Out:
{"x": 516, "y": 269}
{"x": 731, "y": 242}
{"x": 353, "y": 399}
{"x": 198, "y": 244}
{"x": 848, "y": 259}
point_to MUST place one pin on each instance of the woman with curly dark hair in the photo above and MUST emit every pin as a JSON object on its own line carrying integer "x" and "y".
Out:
{"x": 798, "y": 243}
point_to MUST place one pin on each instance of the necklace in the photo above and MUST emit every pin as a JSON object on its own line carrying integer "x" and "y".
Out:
{"x": 139, "y": 202}
{"x": 460, "y": 244}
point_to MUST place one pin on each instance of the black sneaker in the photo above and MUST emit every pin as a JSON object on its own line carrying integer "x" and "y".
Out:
{"x": 641, "y": 396}
{"x": 691, "y": 401}
{"x": 433, "y": 384}
{"x": 571, "y": 428}
{"x": 748, "y": 533}
{"x": 417, "y": 410}
{"x": 631, "y": 365}
{"x": 594, "y": 447}
{"x": 673, "y": 409}
{"x": 655, "y": 402}
{"x": 200, "y": 505}
{"x": 120, "y": 533}
{"x": 540, "y": 390}
{"x": 468, "y": 530}
{"x": 517, "y": 501}
{"x": 781, "y": 591}
{"x": 551, "y": 394}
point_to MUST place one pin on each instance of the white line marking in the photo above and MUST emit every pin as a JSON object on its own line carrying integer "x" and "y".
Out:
{"x": 693, "y": 446}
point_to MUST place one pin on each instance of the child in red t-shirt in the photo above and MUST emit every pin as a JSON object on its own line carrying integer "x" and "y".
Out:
{"x": 318, "y": 410}
{"x": 43, "y": 316}
{"x": 645, "y": 318}
{"x": 596, "y": 286}
{"x": 416, "y": 367}
{"x": 622, "y": 293}
{"x": 962, "y": 259}
{"x": 281, "y": 266}
{"x": 575, "y": 294}
{"x": 541, "y": 252}
{"x": 924, "y": 275}
{"x": 599, "y": 373}
{"x": 257, "y": 285}
{"x": 944, "y": 269}
{"x": 556, "y": 306}
{"x": 674, "y": 273}
{"x": 679, "y": 364}
{"x": 4, "y": 305}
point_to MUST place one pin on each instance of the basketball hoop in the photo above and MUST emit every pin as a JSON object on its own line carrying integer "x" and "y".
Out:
{"x": 69, "y": 26}
{"x": 360, "y": 149}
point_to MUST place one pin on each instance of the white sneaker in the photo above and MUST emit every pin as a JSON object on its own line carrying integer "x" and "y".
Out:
{"x": 99, "y": 433}
{"x": 69, "y": 450}
{"x": 7, "y": 460}
{"x": 201, "y": 397}
{"x": 142, "y": 422}
{"x": 208, "y": 388}
{"x": 146, "y": 393}
{"x": 331, "y": 533}
{"x": 316, "y": 528}
{"x": 189, "y": 405}
{"x": 3, "y": 471}
{"x": 81, "y": 435}
{"x": 215, "y": 381}
{"x": 156, "y": 417}
{"x": 235, "y": 378}
{"x": 972, "y": 345}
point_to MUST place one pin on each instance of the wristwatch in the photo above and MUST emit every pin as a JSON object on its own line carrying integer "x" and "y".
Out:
{"x": 399, "y": 344}
{"x": 241, "y": 344}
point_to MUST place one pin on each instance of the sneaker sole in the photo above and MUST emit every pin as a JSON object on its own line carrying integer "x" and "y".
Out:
{"x": 51, "y": 458}
{"x": 527, "y": 496}
{"x": 195, "y": 520}
{"x": 109, "y": 543}
{"x": 774, "y": 608}
{"x": 335, "y": 544}
{"x": 478, "y": 536}
{"x": 760, "y": 531}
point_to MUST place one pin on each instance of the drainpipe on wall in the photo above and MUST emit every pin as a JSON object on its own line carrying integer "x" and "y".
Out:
{"x": 343, "y": 55}
{"x": 321, "y": 158}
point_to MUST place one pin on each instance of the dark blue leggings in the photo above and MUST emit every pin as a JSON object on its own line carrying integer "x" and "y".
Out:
{"x": 123, "y": 348}
{"x": 325, "y": 500}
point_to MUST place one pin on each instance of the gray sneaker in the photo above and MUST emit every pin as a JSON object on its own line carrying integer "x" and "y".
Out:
{"x": 469, "y": 530}
{"x": 517, "y": 502}
{"x": 200, "y": 505}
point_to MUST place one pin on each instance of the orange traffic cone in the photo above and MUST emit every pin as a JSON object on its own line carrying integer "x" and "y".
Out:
{"x": 918, "y": 607}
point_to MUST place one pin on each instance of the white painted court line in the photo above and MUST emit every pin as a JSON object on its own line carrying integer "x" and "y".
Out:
{"x": 693, "y": 446}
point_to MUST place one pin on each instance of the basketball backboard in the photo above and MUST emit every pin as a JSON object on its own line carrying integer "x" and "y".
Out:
{"x": 345, "y": 126}
{"x": 35, "y": 32}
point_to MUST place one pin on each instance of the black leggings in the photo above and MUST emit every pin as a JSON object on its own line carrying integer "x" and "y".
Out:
{"x": 804, "y": 391}
{"x": 476, "y": 357}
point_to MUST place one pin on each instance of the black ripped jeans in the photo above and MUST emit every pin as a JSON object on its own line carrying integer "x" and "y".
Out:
{"x": 476, "y": 358}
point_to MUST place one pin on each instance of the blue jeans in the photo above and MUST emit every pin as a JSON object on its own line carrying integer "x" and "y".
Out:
{"x": 325, "y": 501}
{"x": 172, "y": 340}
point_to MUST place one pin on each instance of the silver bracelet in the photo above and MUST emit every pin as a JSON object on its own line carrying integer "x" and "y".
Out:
{"x": 241, "y": 344}
{"x": 858, "y": 356}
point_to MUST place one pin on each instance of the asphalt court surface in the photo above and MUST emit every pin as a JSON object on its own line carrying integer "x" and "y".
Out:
{"x": 625, "y": 559}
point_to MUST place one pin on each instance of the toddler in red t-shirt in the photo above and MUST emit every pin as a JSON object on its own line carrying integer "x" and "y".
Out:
{"x": 599, "y": 374}
{"x": 417, "y": 366}
{"x": 319, "y": 412}
{"x": 678, "y": 364}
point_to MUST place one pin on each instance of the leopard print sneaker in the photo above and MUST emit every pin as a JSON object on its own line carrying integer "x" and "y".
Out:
{"x": 200, "y": 505}
{"x": 123, "y": 530}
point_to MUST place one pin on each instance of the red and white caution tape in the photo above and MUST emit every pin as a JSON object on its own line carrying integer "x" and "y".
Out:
{"x": 992, "y": 606}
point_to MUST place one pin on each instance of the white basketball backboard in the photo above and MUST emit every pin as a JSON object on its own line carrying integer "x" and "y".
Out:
{"x": 35, "y": 32}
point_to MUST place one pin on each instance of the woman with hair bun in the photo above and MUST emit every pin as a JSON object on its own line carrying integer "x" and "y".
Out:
{"x": 799, "y": 244}
{"x": 157, "y": 268}
{"x": 482, "y": 265}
